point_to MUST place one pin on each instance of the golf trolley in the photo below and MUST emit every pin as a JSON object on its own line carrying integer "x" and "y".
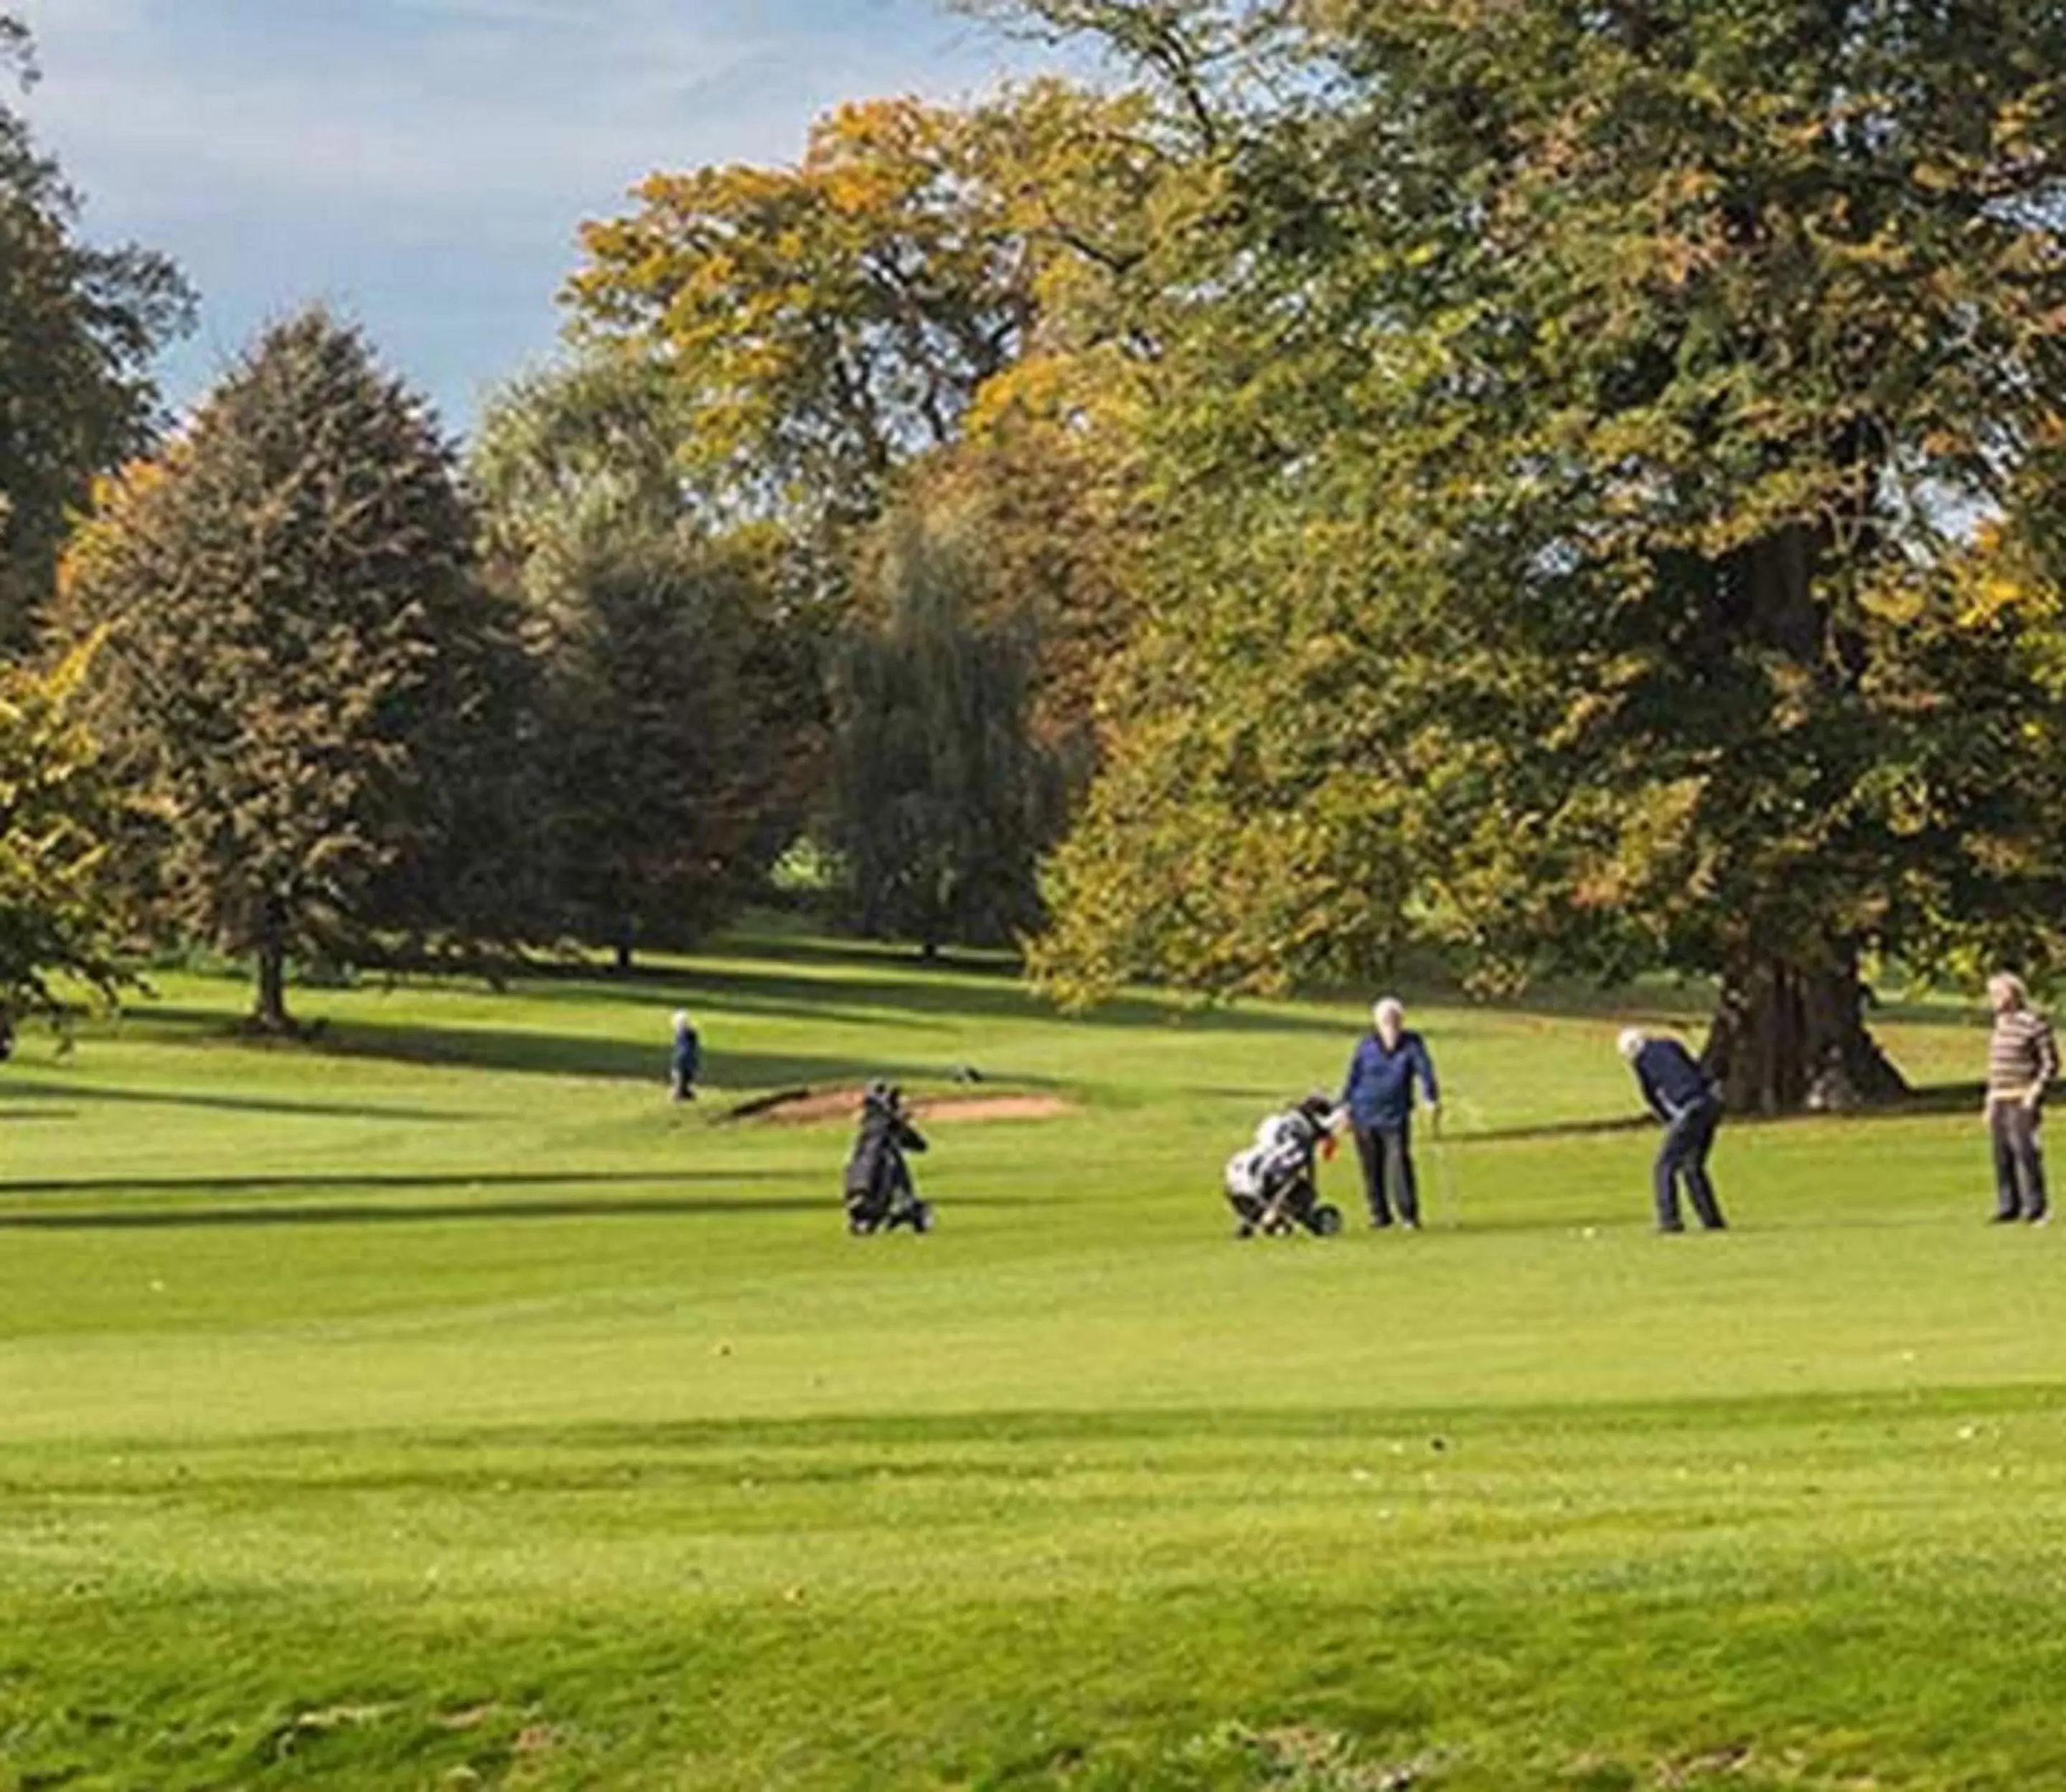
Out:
{"x": 1272, "y": 1185}
{"x": 880, "y": 1197}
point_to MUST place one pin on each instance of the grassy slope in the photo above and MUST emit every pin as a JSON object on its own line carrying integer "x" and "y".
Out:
{"x": 442, "y": 1407}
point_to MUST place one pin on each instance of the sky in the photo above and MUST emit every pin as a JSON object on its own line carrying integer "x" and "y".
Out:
{"x": 422, "y": 165}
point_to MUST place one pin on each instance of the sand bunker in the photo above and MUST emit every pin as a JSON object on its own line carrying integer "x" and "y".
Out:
{"x": 808, "y": 1107}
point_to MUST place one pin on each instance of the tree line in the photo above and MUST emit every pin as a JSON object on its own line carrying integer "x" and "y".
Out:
{"x": 1570, "y": 488}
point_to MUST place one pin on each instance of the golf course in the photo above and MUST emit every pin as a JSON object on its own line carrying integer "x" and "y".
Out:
{"x": 430, "y": 1403}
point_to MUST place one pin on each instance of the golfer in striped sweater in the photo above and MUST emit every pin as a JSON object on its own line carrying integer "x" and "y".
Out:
{"x": 2022, "y": 1060}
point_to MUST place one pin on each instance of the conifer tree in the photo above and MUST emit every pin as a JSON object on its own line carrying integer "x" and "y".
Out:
{"x": 667, "y": 741}
{"x": 677, "y": 705}
{"x": 282, "y": 597}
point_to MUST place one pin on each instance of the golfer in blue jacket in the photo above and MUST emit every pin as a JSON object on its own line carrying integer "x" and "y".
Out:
{"x": 1678, "y": 1092}
{"x": 685, "y": 1061}
{"x": 1378, "y": 1096}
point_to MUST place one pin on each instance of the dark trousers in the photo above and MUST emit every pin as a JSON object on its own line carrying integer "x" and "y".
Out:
{"x": 2019, "y": 1162}
{"x": 1688, "y": 1138}
{"x": 1388, "y": 1172}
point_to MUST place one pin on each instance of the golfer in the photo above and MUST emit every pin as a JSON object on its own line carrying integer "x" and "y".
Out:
{"x": 1378, "y": 1096}
{"x": 1678, "y": 1092}
{"x": 2022, "y": 1059}
{"x": 685, "y": 1061}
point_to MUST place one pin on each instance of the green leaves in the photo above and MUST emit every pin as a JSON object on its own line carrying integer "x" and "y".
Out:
{"x": 943, "y": 799}
{"x": 79, "y": 328}
{"x": 279, "y": 597}
{"x": 821, "y": 323}
{"x": 1567, "y": 429}
{"x": 58, "y": 914}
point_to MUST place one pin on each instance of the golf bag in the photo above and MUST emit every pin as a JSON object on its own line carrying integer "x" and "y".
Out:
{"x": 880, "y": 1197}
{"x": 1272, "y": 1187}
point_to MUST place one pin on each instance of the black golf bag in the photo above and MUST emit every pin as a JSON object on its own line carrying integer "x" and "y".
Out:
{"x": 880, "y": 1197}
{"x": 1272, "y": 1185}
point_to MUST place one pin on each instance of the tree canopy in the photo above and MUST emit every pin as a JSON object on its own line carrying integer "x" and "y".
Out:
{"x": 79, "y": 325}
{"x": 825, "y": 321}
{"x": 1582, "y": 417}
{"x": 943, "y": 800}
{"x": 677, "y": 709}
{"x": 822, "y": 325}
{"x": 285, "y": 597}
{"x": 60, "y": 914}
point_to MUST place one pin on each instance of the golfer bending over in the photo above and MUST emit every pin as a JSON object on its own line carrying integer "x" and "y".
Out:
{"x": 2022, "y": 1060}
{"x": 1379, "y": 1097}
{"x": 1680, "y": 1094}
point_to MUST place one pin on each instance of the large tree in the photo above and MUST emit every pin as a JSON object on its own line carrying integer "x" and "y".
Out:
{"x": 923, "y": 316}
{"x": 1583, "y": 416}
{"x": 1043, "y": 494}
{"x": 823, "y": 323}
{"x": 679, "y": 708}
{"x": 943, "y": 799}
{"x": 289, "y": 609}
{"x": 59, "y": 917}
{"x": 78, "y": 327}
{"x": 671, "y": 719}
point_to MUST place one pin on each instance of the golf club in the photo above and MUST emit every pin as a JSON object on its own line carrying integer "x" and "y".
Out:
{"x": 1445, "y": 1175}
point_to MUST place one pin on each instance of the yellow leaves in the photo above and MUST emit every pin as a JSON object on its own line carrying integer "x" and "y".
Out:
{"x": 1996, "y": 582}
{"x": 2006, "y": 856}
{"x": 1988, "y": 598}
{"x": 1091, "y": 393}
{"x": 118, "y": 502}
{"x": 824, "y": 322}
{"x": 63, "y": 680}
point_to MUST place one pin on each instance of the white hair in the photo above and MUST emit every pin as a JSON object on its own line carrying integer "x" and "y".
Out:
{"x": 2006, "y": 990}
{"x": 1631, "y": 1042}
{"x": 681, "y": 1020}
{"x": 1388, "y": 1008}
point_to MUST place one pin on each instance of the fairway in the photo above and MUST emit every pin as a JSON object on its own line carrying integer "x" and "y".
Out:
{"x": 433, "y": 1404}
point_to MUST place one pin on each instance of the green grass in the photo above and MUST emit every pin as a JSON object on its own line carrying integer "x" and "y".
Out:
{"x": 435, "y": 1405}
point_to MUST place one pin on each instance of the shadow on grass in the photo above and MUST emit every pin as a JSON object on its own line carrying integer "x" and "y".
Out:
{"x": 1937, "y": 1098}
{"x": 928, "y": 995}
{"x": 522, "y": 1052}
{"x": 218, "y": 1104}
{"x": 181, "y": 1219}
{"x": 1450, "y": 1430}
{"x": 457, "y": 1179}
{"x": 1933, "y": 1099}
{"x": 1556, "y": 1129}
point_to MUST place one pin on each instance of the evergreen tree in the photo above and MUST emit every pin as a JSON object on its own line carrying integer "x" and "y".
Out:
{"x": 283, "y": 597}
{"x": 667, "y": 737}
{"x": 679, "y": 714}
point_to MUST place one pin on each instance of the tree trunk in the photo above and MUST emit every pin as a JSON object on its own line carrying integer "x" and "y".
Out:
{"x": 270, "y": 1014}
{"x": 1786, "y": 1037}
{"x": 1789, "y": 1031}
